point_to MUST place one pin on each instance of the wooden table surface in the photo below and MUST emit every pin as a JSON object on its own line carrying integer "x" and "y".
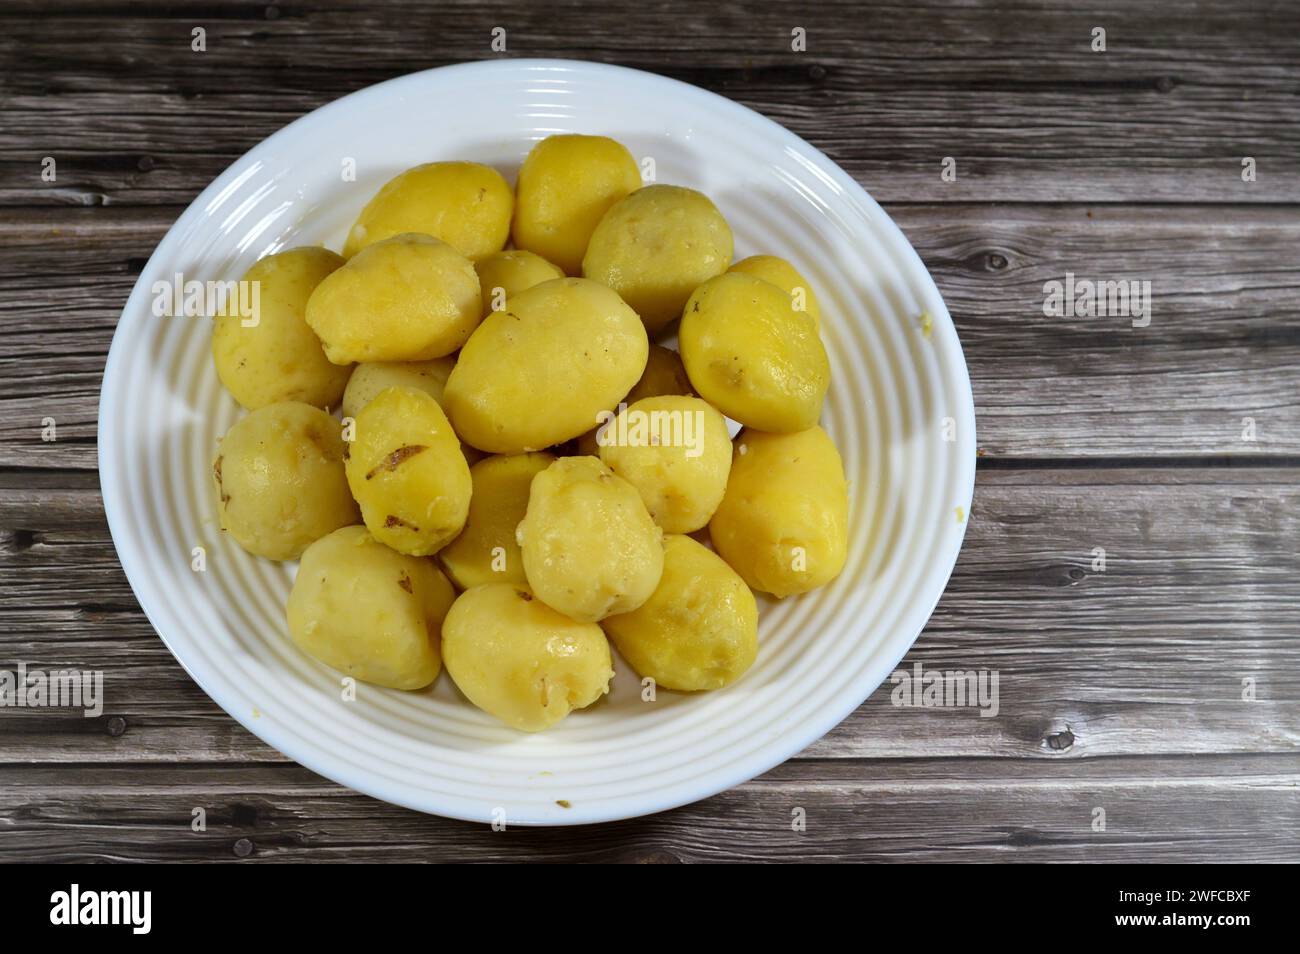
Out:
{"x": 1164, "y": 691}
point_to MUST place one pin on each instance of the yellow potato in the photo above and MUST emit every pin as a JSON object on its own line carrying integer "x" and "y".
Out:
{"x": 565, "y": 185}
{"x": 751, "y": 356}
{"x": 279, "y": 479}
{"x": 664, "y": 374}
{"x": 786, "y": 277}
{"x": 676, "y": 452}
{"x": 538, "y": 373}
{"x": 590, "y": 548}
{"x": 465, "y": 204}
{"x": 655, "y": 247}
{"x": 521, "y": 661}
{"x": 699, "y": 630}
{"x": 408, "y": 298}
{"x": 783, "y": 524}
{"x": 368, "y": 611}
{"x": 406, "y": 471}
{"x": 273, "y": 355}
{"x": 502, "y": 275}
{"x": 370, "y": 378}
{"x": 486, "y": 550}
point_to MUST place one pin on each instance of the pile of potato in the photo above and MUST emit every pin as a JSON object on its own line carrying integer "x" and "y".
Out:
{"x": 467, "y": 510}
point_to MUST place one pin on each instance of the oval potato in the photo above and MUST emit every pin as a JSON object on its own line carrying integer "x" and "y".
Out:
{"x": 785, "y": 277}
{"x": 371, "y": 377}
{"x": 663, "y": 374}
{"x": 504, "y": 274}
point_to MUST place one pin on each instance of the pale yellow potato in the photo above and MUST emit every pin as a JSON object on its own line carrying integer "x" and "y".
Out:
{"x": 406, "y": 470}
{"x": 786, "y": 277}
{"x": 698, "y": 630}
{"x": 538, "y": 373}
{"x": 519, "y": 660}
{"x": 465, "y": 204}
{"x": 751, "y": 356}
{"x": 783, "y": 524}
{"x": 274, "y": 355}
{"x": 486, "y": 550}
{"x": 408, "y": 298}
{"x": 590, "y": 548}
{"x": 371, "y": 377}
{"x": 657, "y": 246}
{"x": 504, "y": 274}
{"x": 663, "y": 374}
{"x": 676, "y": 452}
{"x": 567, "y": 183}
{"x": 369, "y": 611}
{"x": 280, "y": 481}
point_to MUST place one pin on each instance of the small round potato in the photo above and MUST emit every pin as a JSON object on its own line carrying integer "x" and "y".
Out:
{"x": 465, "y": 204}
{"x": 751, "y": 356}
{"x": 590, "y": 548}
{"x": 408, "y": 298}
{"x": 406, "y": 471}
{"x": 486, "y": 550}
{"x": 370, "y": 378}
{"x": 502, "y": 275}
{"x": 565, "y": 185}
{"x": 280, "y": 482}
{"x": 657, "y": 246}
{"x": 676, "y": 452}
{"x": 785, "y": 277}
{"x": 664, "y": 374}
{"x": 274, "y": 355}
{"x": 538, "y": 373}
{"x": 699, "y": 630}
{"x": 783, "y": 524}
{"x": 519, "y": 660}
{"x": 369, "y": 611}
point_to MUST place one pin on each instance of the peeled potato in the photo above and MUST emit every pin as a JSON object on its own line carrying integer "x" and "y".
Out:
{"x": 503, "y": 274}
{"x": 370, "y": 378}
{"x": 698, "y": 630}
{"x": 280, "y": 481}
{"x": 465, "y": 204}
{"x": 274, "y": 355}
{"x": 519, "y": 660}
{"x": 369, "y": 611}
{"x": 486, "y": 550}
{"x": 783, "y": 523}
{"x": 663, "y": 374}
{"x": 589, "y": 546}
{"x": 785, "y": 277}
{"x": 408, "y": 298}
{"x": 751, "y": 356}
{"x": 406, "y": 471}
{"x": 565, "y": 185}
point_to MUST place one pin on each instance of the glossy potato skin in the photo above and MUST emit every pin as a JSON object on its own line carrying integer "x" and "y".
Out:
{"x": 566, "y": 185}
{"x": 406, "y": 471}
{"x": 370, "y": 378}
{"x": 465, "y": 204}
{"x": 657, "y": 246}
{"x": 680, "y": 484}
{"x": 786, "y": 491}
{"x": 538, "y": 373}
{"x": 499, "y": 501}
{"x": 521, "y": 661}
{"x": 785, "y": 277}
{"x": 751, "y": 356}
{"x": 368, "y": 611}
{"x": 698, "y": 631}
{"x": 279, "y": 357}
{"x": 280, "y": 482}
{"x": 511, "y": 271}
{"x": 589, "y": 546}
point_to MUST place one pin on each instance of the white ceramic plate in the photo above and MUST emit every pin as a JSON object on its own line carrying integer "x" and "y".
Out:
{"x": 896, "y": 376}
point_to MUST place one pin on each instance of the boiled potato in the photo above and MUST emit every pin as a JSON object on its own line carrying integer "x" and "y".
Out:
{"x": 785, "y": 277}
{"x": 655, "y": 247}
{"x": 663, "y": 374}
{"x": 465, "y": 204}
{"x": 407, "y": 298}
{"x": 486, "y": 550}
{"x": 698, "y": 630}
{"x": 370, "y": 378}
{"x": 369, "y": 611}
{"x": 783, "y": 524}
{"x": 538, "y": 373}
{"x": 406, "y": 471}
{"x": 751, "y": 356}
{"x": 273, "y": 355}
{"x": 676, "y": 452}
{"x": 280, "y": 481}
{"x": 590, "y": 548}
{"x": 566, "y": 185}
{"x": 503, "y": 274}
{"x": 519, "y": 660}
